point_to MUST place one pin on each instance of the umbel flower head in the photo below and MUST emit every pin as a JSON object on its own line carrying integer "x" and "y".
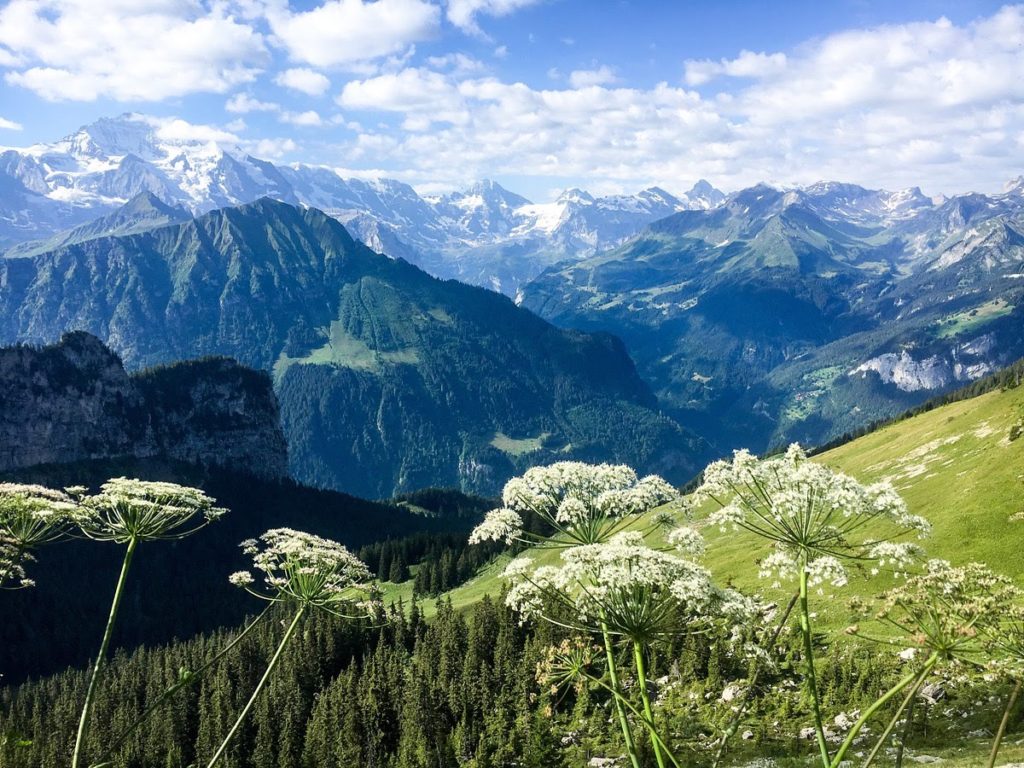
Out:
{"x": 818, "y": 519}
{"x": 309, "y": 570}
{"x": 142, "y": 510}
{"x": 957, "y": 613}
{"x": 30, "y": 516}
{"x": 625, "y": 588}
{"x": 579, "y": 503}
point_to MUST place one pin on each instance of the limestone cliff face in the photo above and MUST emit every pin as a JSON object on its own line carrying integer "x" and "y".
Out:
{"x": 73, "y": 400}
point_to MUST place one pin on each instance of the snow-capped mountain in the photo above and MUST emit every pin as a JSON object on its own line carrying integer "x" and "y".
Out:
{"x": 49, "y": 188}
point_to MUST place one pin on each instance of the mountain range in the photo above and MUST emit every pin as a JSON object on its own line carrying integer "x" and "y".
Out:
{"x": 388, "y": 379}
{"x": 484, "y": 235}
{"x": 802, "y": 314}
{"x": 755, "y": 318}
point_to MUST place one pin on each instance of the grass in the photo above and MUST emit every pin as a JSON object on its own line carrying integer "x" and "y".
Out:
{"x": 968, "y": 320}
{"x": 518, "y": 446}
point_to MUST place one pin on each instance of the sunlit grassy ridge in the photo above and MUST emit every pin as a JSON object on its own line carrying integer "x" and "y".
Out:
{"x": 956, "y": 465}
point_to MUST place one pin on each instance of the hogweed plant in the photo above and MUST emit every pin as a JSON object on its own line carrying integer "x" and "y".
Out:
{"x": 30, "y": 516}
{"x": 579, "y": 505}
{"x": 129, "y": 512}
{"x": 948, "y": 615}
{"x": 821, "y": 523}
{"x": 306, "y": 572}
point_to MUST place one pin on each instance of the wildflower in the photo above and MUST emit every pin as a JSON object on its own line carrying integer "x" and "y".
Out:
{"x": 30, "y": 516}
{"x": 129, "y": 512}
{"x": 580, "y": 503}
{"x": 308, "y": 572}
{"x": 818, "y": 521}
{"x": 142, "y": 510}
{"x": 306, "y": 569}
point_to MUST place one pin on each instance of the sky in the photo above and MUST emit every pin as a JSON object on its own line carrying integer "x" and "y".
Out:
{"x": 541, "y": 95}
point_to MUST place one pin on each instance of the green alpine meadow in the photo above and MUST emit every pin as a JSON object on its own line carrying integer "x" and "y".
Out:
{"x": 511, "y": 384}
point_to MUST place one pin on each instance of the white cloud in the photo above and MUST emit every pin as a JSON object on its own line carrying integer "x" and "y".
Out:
{"x": 307, "y": 119}
{"x": 423, "y": 96}
{"x": 747, "y": 64}
{"x": 584, "y": 78}
{"x": 307, "y": 81}
{"x": 272, "y": 149}
{"x": 9, "y": 125}
{"x": 178, "y": 130}
{"x": 243, "y": 103}
{"x": 930, "y": 103}
{"x": 137, "y": 50}
{"x": 463, "y": 13}
{"x": 342, "y": 32}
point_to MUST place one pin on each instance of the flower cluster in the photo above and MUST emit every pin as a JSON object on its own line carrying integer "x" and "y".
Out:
{"x": 621, "y": 586}
{"x": 30, "y": 516}
{"x": 306, "y": 569}
{"x": 142, "y": 510}
{"x": 956, "y": 612}
{"x": 584, "y": 503}
{"x": 819, "y": 520}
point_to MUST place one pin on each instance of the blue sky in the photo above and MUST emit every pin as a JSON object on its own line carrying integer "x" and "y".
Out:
{"x": 543, "y": 94}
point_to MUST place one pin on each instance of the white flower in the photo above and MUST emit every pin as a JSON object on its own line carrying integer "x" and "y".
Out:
{"x": 307, "y": 569}
{"x": 814, "y": 515}
{"x": 687, "y": 540}
{"x": 499, "y": 525}
{"x": 30, "y": 516}
{"x": 241, "y": 578}
{"x": 126, "y": 509}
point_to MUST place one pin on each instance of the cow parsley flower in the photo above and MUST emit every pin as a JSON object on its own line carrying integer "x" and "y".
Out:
{"x": 817, "y": 519}
{"x": 309, "y": 570}
{"x": 141, "y": 510}
{"x": 30, "y": 516}
{"x": 579, "y": 503}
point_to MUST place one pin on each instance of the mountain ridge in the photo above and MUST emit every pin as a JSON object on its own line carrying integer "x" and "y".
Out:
{"x": 389, "y": 379}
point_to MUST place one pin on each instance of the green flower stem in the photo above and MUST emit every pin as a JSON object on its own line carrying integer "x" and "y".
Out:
{"x": 998, "y": 741}
{"x": 252, "y": 699}
{"x": 167, "y": 694}
{"x": 641, "y": 675}
{"x": 812, "y": 679}
{"x": 879, "y": 703}
{"x": 907, "y": 703}
{"x": 744, "y": 703}
{"x": 907, "y": 725}
{"x": 613, "y": 675}
{"x": 83, "y": 722}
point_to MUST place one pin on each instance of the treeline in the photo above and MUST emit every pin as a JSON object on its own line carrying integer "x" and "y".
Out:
{"x": 1006, "y": 378}
{"x": 404, "y": 693}
{"x": 443, "y": 560}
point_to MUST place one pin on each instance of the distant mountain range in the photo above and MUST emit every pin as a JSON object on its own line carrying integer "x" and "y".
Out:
{"x": 388, "y": 379}
{"x": 803, "y": 314}
{"x": 485, "y": 235}
{"x": 757, "y": 317}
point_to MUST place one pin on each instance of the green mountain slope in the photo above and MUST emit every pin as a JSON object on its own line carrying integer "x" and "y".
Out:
{"x": 961, "y": 465}
{"x": 388, "y": 379}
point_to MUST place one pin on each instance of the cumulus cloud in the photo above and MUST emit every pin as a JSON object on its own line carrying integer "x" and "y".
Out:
{"x": 344, "y": 32}
{"x": 306, "y": 119}
{"x": 463, "y": 13}
{"x": 747, "y": 64}
{"x": 584, "y": 78}
{"x": 9, "y": 125}
{"x": 929, "y": 103}
{"x": 243, "y": 103}
{"x": 307, "y": 81}
{"x": 137, "y": 50}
